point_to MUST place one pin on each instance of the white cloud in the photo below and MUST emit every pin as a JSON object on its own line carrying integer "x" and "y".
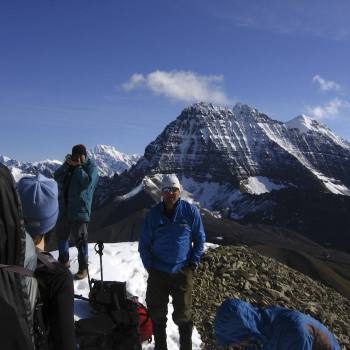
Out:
{"x": 326, "y": 85}
{"x": 135, "y": 81}
{"x": 184, "y": 86}
{"x": 330, "y": 110}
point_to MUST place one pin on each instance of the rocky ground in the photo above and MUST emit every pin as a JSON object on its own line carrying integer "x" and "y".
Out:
{"x": 241, "y": 272}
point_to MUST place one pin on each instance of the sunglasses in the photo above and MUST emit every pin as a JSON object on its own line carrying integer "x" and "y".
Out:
{"x": 170, "y": 189}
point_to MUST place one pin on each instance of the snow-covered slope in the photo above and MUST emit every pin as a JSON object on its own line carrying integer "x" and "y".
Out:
{"x": 306, "y": 124}
{"x": 108, "y": 159}
{"x": 121, "y": 262}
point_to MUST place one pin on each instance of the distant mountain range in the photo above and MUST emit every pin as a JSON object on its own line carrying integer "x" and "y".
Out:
{"x": 108, "y": 159}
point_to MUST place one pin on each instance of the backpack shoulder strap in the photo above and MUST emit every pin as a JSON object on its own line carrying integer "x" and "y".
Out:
{"x": 46, "y": 259}
{"x": 17, "y": 269}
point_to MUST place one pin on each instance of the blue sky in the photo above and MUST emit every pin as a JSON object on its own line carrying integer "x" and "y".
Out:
{"x": 117, "y": 72}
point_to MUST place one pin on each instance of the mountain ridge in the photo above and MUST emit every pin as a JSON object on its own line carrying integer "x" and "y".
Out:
{"x": 108, "y": 160}
{"x": 208, "y": 142}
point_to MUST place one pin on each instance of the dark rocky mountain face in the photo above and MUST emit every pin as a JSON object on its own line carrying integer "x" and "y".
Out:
{"x": 207, "y": 142}
{"x": 322, "y": 217}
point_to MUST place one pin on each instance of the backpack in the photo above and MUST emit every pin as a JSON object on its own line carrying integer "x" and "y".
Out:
{"x": 40, "y": 327}
{"x": 22, "y": 322}
{"x": 145, "y": 323}
{"x": 115, "y": 324}
{"x": 16, "y": 316}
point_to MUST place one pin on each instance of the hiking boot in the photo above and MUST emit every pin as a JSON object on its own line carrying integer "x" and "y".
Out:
{"x": 185, "y": 331}
{"x": 159, "y": 333}
{"x": 81, "y": 274}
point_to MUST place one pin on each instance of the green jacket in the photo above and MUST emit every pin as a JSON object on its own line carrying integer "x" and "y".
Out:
{"x": 76, "y": 187}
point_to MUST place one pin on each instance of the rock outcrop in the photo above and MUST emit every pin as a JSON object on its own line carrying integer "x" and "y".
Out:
{"x": 240, "y": 272}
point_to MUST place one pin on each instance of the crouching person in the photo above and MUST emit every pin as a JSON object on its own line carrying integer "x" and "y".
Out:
{"x": 39, "y": 197}
{"x": 171, "y": 244}
{"x": 240, "y": 325}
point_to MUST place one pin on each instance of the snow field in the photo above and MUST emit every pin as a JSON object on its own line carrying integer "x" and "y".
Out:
{"x": 121, "y": 262}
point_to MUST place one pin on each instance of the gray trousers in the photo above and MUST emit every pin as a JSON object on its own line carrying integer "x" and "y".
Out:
{"x": 162, "y": 284}
{"x": 78, "y": 233}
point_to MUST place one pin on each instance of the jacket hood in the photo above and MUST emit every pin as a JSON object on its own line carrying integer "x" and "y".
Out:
{"x": 243, "y": 319}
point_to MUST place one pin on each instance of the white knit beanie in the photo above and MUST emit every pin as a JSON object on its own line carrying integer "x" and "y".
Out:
{"x": 170, "y": 180}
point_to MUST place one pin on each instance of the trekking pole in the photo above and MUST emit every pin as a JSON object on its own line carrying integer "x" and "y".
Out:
{"x": 89, "y": 279}
{"x": 99, "y": 250}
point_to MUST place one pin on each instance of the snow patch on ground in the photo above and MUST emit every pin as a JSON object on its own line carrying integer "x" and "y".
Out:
{"x": 121, "y": 262}
{"x": 133, "y": 192}
{"x": 207, "y": 194}
{"x": 260, "y": 184}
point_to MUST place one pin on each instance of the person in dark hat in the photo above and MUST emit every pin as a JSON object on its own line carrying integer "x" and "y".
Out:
{"x": 77, "y": 179}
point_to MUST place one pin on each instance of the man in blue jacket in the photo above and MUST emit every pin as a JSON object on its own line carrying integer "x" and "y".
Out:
{"x": 77, "y": 179}
{"x": 244, "y": 326}
{"x": 171, "y": 244}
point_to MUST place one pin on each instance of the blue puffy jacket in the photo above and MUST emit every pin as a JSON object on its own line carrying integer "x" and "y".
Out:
{"x": 171, "y": 244}
{"x": 76, "y": 188}
{"x": 274, "y": 328}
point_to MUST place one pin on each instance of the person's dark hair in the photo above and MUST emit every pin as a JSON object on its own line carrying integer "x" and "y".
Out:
{"x": 78, "y": 150}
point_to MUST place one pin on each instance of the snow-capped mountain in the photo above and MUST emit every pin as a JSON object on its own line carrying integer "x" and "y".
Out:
{"x": 245, "y": 150}
{"x": 20, "y": 169}
{"x": 108, "y": 159}
{"x": 239, "y": 164}
{"x": 306, "y": 124}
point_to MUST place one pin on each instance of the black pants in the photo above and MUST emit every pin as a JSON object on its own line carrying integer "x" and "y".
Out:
{"x": 57, "y": 294}
{"x": 162, "y": 284}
